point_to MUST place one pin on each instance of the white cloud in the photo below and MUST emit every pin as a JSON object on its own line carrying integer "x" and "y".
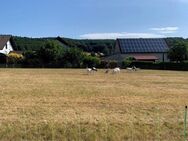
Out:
{"x": 166, "y": 30}
{"x": 120, "y": 35}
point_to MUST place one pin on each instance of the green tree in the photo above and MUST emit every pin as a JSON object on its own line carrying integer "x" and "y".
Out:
{"x": 50, "y": 53}
{"x": 72, "y": 57}
{"x": 178, "y": 52}
{"x": 31, "y": 59}
{"x": 106, "y": 51}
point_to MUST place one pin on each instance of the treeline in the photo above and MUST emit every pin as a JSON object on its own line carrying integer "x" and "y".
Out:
{"x": 32, "y": 44}
{"x": 101, "y": 47}
{"x": 53, "y": 55}
{"x": 107, "y": 47}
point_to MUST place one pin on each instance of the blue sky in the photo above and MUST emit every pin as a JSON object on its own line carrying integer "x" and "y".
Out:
{"x": 93, "y": 19}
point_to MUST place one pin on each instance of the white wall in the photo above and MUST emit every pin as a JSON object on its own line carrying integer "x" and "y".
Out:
{"x": 7, "y": 48}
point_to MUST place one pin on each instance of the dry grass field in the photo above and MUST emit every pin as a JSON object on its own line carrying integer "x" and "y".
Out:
{"x": 69, "y": 105}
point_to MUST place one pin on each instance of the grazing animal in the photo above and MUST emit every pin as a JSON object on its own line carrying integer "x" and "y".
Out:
{"x": 129, "y": 69}
{"x": 90, "y": 70}
{"x": 107, "y": 71}
{"x": 116, "y": 70}
{"x": 132, "y": 69}
{"x": 94, "y": 69}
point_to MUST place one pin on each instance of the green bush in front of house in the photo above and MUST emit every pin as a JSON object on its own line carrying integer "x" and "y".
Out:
{"x": 14, "y": 58}
{"x": 90, "y": 61}
{"x": 127, "y": 62}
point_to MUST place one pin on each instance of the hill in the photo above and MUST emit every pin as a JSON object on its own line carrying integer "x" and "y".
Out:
{"x": 103, "y": 46}
{"x": 33, "y": 44}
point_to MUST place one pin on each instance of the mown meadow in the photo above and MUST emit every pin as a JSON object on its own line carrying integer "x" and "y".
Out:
{"x": 70, "y": 105}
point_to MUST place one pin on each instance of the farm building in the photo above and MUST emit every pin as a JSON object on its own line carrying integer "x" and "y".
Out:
{"x": 141, "y": 50}
{"x": 5, "y": 44}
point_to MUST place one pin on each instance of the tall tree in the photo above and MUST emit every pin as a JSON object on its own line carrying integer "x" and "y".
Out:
{"x": 50, "y": 53}
{"x": 178, "y": 52}
{"x": 73, "y": 57}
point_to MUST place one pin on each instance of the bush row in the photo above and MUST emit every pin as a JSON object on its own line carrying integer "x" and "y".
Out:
{"x": 160, "y": 65}
{"x": 93, "y": 61}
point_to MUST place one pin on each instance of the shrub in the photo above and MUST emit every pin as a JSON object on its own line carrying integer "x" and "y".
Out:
{"x": 113, "y": 64}
{"x": 72, "y": 57}
{"x": 161, "y": 65}
{"x": 14, "y": 58}
{"x": 104, "y": 64}
{"x": 49, "y": 53}
{"x": 127, "y": 62}
{"x": 90, "y": 61}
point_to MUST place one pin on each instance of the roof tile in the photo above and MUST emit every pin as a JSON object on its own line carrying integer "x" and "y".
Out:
{"x": 3, "y": 40}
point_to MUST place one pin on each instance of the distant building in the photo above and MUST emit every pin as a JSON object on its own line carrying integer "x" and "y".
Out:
{"x": 5, "y": 44}
{"x": 141, "y": 50}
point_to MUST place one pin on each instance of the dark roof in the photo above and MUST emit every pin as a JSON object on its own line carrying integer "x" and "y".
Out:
{"x": 3, "y": 40}
{"x": 156, "y": 45}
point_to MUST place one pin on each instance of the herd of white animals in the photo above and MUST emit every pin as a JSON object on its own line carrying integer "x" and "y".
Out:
{"x": 113, "y": 71}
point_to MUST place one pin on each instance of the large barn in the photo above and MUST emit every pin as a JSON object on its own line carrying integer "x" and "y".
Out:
{"x": 155, "y": 49}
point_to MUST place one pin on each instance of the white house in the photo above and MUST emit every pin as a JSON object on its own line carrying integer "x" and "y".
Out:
{"x": 5, "y": 44}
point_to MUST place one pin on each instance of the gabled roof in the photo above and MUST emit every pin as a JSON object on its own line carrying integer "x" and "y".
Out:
{"x": 3, "y": 40}
{"x": 150, "y": 45}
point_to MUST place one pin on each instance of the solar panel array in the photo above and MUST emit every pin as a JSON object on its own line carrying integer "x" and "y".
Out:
{"x": 143, "y": 45}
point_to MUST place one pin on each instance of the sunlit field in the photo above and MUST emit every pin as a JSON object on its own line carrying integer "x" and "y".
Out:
{"x": 70, "y": 105}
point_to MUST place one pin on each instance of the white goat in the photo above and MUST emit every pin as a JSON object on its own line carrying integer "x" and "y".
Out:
{"x": 94, "y": 69}
{"x": 90, "y": 70}
{"x": 132, "y": 69}
{"x": 116, "y": 70}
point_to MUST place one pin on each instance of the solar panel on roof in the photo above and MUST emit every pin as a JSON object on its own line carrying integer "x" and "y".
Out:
{"x": 142, "y": 45}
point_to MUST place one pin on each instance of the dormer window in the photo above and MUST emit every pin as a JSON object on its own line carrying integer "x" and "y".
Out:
{"x": 6, "y": 46}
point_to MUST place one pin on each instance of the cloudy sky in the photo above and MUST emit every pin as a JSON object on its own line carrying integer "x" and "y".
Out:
{"x": 93, "y": 19}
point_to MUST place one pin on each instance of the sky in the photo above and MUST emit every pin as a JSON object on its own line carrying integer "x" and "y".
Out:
{"x": 95, "y": 19}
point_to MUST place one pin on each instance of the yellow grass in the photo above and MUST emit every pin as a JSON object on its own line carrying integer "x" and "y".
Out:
{"x": 69, "y": 105}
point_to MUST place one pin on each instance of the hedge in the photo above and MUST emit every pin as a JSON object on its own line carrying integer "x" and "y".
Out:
{"x": 161, "y": 66}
